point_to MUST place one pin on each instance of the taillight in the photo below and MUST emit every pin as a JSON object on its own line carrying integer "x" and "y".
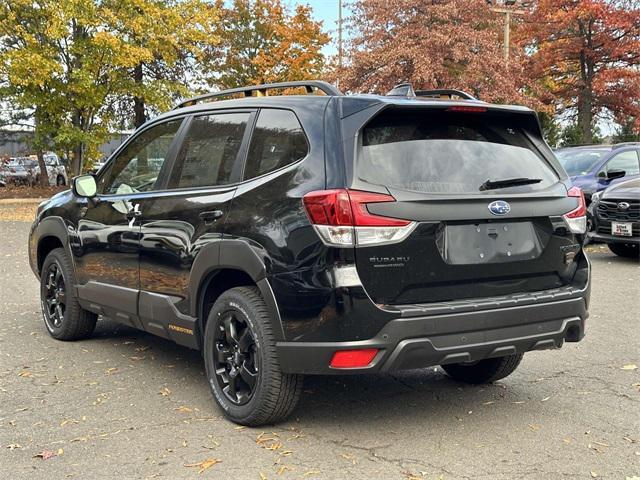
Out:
{"x": 576, "y": 219}
{"x": 353, "y": 358}
{"x": 341, "y": 218}
{"x": 466, "y": 109}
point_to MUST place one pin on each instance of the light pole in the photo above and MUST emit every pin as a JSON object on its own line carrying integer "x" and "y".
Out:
{"x": 339, "y": 40}
{"x": 507, "y": 12}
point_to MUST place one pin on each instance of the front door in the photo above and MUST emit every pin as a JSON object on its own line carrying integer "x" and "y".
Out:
{"x": 107, "y": 260}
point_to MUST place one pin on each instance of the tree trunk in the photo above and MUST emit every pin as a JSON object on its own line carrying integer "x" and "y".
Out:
{"x": 587, "y": 73}
{"x": 78, "y": 159}
{"x": 44, "y": 176}
{"x": 585, "y": 115}
{"x": 140, "y": 117}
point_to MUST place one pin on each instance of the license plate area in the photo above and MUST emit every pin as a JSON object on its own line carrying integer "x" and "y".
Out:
{"x": 622, "y": 229}
{"x": 495, "y": 242}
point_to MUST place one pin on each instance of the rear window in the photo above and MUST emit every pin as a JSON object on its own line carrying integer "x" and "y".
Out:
{"x": 278, "y": 140}
{"x": 444, "y": 152}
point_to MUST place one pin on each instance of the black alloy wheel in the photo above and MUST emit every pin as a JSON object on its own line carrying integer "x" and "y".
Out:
{"x": 55, "y": 296}
{"x": 236, "y": 358}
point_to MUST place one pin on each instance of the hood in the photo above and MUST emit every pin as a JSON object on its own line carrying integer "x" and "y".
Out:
{"x": 629, "y": 189}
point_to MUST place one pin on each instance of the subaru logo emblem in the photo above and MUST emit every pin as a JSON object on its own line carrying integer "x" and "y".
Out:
{"x": 623, "y": 206}
{"x": 499, "y": 207}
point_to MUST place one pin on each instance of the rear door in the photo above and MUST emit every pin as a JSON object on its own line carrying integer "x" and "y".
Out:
{"x": 485, "y": 204}
{"x": 187, "y": 217}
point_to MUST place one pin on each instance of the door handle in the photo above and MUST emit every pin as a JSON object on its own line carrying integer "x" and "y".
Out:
{"x": 133, "y": 213}
{"x": 211, "y": 216}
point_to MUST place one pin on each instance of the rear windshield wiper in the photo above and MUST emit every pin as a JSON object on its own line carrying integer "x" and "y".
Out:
{"x": 509, "y": 182}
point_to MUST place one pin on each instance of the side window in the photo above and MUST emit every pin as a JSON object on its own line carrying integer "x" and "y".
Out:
{"x": 627, "y": 161}
{"x": 137, "y": 167}
{"x": 209, "y": 150}
{"x": 278, "y": 140}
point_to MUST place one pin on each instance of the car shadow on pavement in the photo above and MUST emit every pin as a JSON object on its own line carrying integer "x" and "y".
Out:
{"x": 426, "y": 394}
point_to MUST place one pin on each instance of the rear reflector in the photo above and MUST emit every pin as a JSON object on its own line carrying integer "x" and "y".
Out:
{"x": 576, "y": 219}
{"x": 341, "y": 218}
{"x": 353, "y": 358}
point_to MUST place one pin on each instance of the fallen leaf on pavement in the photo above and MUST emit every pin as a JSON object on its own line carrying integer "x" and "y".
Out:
{"x": 283, "y": 469}
{"x": 165, "y": 392}
{"x": 25, "y": 374}
{"x": 14, "y": 446}
{"x": 631, "y": 366}
{"x": 111, "y": 370}
{"x": 184, "y": 409}
{"x": 204, "y": 465}
{"x": 45, "y": 454}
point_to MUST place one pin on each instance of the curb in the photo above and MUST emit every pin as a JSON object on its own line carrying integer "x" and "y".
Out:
{"x": 14, "y": 201}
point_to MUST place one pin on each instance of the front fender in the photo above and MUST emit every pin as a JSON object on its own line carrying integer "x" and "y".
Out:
{"x": 52, "y": 226}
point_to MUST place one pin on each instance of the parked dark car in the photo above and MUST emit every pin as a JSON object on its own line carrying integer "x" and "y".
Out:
{"x": 323, "y": 234}
{"x": 596, "y": 167}
{"x": 615, "y": 217}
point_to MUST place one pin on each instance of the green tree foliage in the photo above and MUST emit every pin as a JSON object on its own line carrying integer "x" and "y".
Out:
{"x": 572, "y": 134}
{"x": 550, "y": 129}
{"x": 71, "y": 62}
{"x": 263, "y": 41}
{"x": 627, "y": 132}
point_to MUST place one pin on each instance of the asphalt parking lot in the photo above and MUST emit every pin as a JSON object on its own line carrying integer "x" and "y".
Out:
{"x": 125, "y": 404}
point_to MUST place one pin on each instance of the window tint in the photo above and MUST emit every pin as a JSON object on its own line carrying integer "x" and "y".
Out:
{"x": 209, "y": 150}
{"x": 137, "y": 167}
{"x": 627, "y": 161}
{"x": 278, "y": 140}
{"x": 441, "y": 152}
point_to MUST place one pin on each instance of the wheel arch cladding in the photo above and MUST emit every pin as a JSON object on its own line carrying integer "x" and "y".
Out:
{"x": 237, "y": 264}
{"x": 50, "y": 233}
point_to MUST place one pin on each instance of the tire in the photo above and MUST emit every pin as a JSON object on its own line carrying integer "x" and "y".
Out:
{"x": 484, "y": 371}
{"x": 627, "y": 250}
{"x": 62, "y": 314}
{"x": 274, "y": 394}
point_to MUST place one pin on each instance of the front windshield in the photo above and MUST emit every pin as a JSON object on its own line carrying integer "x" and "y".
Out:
{"x": 579, "y": 162}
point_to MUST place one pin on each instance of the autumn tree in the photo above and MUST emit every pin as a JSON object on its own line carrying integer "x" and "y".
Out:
{"x": 444, "y": 44}
{"x": 71, "y": 64}
{"x": 587, "y": 52}
{"x": 167, "y": 40}
{"x": 263, "y": 41}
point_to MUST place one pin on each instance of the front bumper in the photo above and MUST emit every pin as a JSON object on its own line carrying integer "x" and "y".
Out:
{"x": 417, "y": 342}
{"x": 605, "y": 238}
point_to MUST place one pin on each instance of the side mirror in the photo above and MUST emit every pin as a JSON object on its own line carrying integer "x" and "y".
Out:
{"x": 613, "y": 174}
{"x": 84, "y": 186}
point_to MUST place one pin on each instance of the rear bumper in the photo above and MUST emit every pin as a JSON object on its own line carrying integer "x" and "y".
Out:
{"x": 422, "y": 341}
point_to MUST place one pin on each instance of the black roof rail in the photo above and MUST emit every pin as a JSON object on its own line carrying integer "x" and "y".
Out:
{"x": 406, "y": 90}
{"x": 402, "y": 90}
{"x": 309, "y": 85}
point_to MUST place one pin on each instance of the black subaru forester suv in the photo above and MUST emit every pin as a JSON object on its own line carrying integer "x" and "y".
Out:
{"x": 323, "y": 233}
